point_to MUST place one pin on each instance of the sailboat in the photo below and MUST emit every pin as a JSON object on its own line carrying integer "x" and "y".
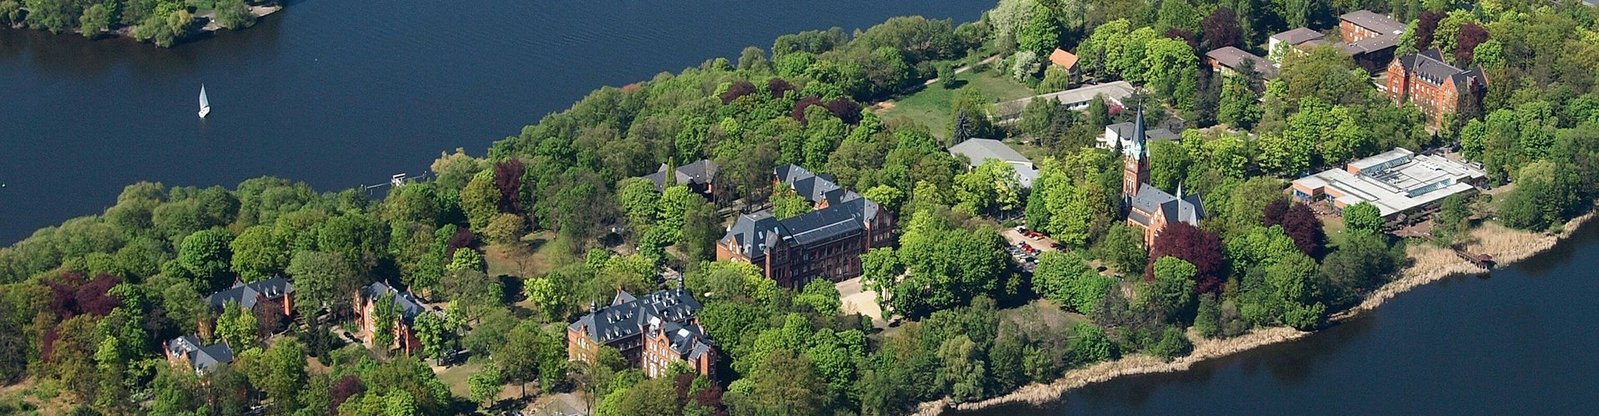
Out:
{"x": 205, "y": 105}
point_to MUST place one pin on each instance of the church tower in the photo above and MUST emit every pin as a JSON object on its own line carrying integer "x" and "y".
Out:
{"x": 1135, "y": 171}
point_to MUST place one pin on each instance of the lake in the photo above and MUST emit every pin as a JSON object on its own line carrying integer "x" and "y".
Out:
{"x": 1519, "y": 341}
{"x": 317, "y": 93}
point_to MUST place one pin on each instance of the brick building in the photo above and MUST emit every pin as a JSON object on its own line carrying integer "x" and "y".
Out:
{"x": 1150, "y": 209}
{"x": 1361, "y": 25}
{"x": 826, "y": 242}
{"x": 1433, "y": 85}
{"x": 652, "y": 332}
{"x": 187, "y": 351}
{"x": 406, "y": 309}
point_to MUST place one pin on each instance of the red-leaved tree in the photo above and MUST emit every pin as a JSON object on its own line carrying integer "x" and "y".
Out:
{"x": 1199, "y": 247}
{"x": 1301, "y": 225}
{"x": 1466, "y": 43}
{"x": 1426, "y": 26}
{"x": 1220, "y": 29}
{"x": 508, "y": 179}
{"x": 737, "y": 89}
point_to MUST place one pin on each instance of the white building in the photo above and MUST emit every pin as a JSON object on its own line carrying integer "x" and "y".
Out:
{"x": 1124, "y": 132}
{"x": 1076, "y": 99}
{"x": 1397, "y": 181}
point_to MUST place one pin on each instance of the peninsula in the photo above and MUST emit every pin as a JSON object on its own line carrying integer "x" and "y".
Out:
{"x": 909, "y": 218}
{"x": 161, "y": 22}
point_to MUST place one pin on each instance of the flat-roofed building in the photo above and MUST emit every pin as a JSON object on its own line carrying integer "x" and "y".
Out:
{"x": 1281, "y": 43}
{"x": 1398, "y": 182}
{"x": 1365, "y": 24}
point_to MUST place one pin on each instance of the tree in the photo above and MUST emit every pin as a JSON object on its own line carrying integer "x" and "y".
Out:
{"x": 1167, "y": 62}
{"x": 1198, "y": 247}
{"x": 435, "y": 333}
{"x": 505, "y": 229}
{"x": 480, "y": 200}
{"x": 1168, "y": 164}
{"x": 947, "y": 266}
{"x": 1066, "y": 278}
{"x": 234, "y": 14}
{"x": 259, "y": 253}
{"x": 207, "y": 255}
{"x": 638, "y": 199}
{"x": 321, "y": 280}
{"x": 237, "y": 327}
{"x": 1363, "y": 217}
{"x": 484, "y": 386}
{"x": 96, "y": 19}
{"x": 1122, "y": 249}
{"x": 991, "y": 188}
{"x": 787, "y": 204}
{"x": 1041, "y": 33}
{"x": 280, "y": 372}
{"x": 1300, "y": 223}
{"x": 1239, "y": 105}
{"x": 1172, "y": 292}
{"x": 1453, "y": 219}
{"x": 821, "y": 296}
{"x": 1220, "y": 29}
{"x": 784, "y": 383}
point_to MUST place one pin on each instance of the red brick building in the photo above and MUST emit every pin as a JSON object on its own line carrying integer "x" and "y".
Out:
{"x": 826, "y": 242}
{"x": 1150, "y": 209}
{"x": 1434, "y": 86}
{"x": 406, "y": 309}
{"x": 652, "y": 333}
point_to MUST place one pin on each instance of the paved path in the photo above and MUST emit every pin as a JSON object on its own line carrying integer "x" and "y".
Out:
{"x": 1042, "y": 244}
{"x": 964, "y": 69}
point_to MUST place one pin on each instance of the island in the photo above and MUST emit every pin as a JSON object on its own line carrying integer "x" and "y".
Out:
{"x": 919, "y": 217}
{"x": 161, "y": 22}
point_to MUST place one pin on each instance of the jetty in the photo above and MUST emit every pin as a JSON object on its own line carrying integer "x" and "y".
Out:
{"x": 210, "y": 17}
{"x": 1482, "y": 261}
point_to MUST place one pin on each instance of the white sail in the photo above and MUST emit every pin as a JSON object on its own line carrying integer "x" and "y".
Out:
{"x": 205, "y": 104}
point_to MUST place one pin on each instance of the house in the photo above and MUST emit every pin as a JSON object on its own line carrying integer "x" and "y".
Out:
{"x": 1150, "y": 209}
{"x": 1360, "y": 25}
{"x": 651, "y": 332}
{"x": 1230, "y": 60}
{"x": 1121, "y": 136}
{"x": 406, "y": 309}
{"x": 700, "y": 176}
{"x": 1076, "y": 99}
{"x": 1063, "y": 59}
{"x": 1433, "y": 85}
{"x": 1281, "y": 43}
{"x": 1399, "y": 182}
{"x": 276, "y": 293}
{"x": 826, "y": 242}
{"x": 187, "y": 350}
{"x": 977, "y": 151}
{"x": 1369, "y": 38}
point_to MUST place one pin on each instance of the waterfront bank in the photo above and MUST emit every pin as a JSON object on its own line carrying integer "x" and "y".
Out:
{"x": 1428, "y": 264}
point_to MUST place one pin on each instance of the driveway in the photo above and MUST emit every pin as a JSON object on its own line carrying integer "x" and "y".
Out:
{"x": 857, "y": 299}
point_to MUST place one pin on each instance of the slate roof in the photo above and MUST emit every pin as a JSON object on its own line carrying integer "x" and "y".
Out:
{"x": 1298, "y": 35}
{"x": 201, "y": 358}
{"x": 1235, "y": 58}
{"x": 1374, "y": 22}
{"x": 700, "y": 172}
{"x": 247, "y": 294}
{"x": 407, "y": 305}
{"x": 847, "y": 212}
{"x": 623, "y": 319}
{"x": 1188, "y": 209}
{"x": 1429, "y": 66}
{"x": 688, "y": 341}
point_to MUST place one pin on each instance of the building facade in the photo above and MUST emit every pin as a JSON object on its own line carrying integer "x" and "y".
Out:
{"x": 653, "y": 332}
{"x": 1436, "y": 87}
{"x": 1398, "y": 182}
{"x": 187, "y": 351}
{"x": 406, "y": 309}
{"x": 824, "y": 243}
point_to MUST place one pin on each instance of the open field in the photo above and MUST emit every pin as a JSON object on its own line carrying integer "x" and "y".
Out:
{"x": 930, "y": 106}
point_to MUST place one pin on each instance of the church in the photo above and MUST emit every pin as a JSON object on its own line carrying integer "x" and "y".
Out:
{"x": 1148, "y": 208}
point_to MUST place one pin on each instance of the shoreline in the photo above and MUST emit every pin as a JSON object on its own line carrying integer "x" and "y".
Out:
{"x": 210, "y": 27}
{"x": 1428, "y": 264}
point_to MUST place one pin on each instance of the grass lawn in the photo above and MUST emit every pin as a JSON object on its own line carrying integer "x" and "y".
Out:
{"x": 531, "y": 258}
{"x": 930, "y": 106}
{"x": 455, "y": 378}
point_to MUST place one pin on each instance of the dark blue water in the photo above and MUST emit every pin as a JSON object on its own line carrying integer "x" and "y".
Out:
{"x": 342, "y": 93}
{"x": 1520, "y": 341}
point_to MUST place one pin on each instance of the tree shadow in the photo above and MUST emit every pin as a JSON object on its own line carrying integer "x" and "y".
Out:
{"x": 956, "y": 84}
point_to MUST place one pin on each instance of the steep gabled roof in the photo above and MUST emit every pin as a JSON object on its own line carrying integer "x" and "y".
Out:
{"x": 201, "y": 358}
{"x": 407, "y": 305}
{"x": 627, "y": 319}
{"x": 247, "y": 294}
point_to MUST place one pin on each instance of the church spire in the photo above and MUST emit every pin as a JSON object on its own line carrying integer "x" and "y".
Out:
{"x": 1140, "y": 139}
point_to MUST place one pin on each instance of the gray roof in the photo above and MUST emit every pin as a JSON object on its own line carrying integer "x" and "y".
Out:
{"x": 628, "y": 316}
{"x": 1298, "y": 35}
{"x": 700, "y": 172}
{"x": 201, "y": 358}
{"x": 247, "y": 294}
{"x": 1430, "y": 67}
{"x": 1371, "y": 44}
{"x": 979, "y": 150}
{"x": 847, "y": 212}
{"x": 1374, "y": 22}
{"x": 688, "y": 341}
{"x": 1235, "y": 59}
{"x": 1114, "y": 93}
{"x": 407, "y": 305}
{"x": 1188, "y": 209}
